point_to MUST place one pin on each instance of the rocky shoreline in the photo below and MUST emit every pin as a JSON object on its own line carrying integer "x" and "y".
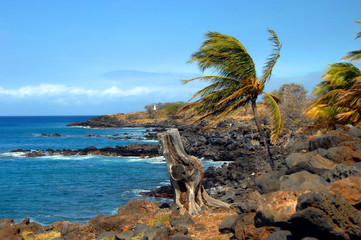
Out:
{"x": 314, "y": 193}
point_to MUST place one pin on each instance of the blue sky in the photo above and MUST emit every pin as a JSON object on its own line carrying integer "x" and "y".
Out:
{"x": 89, "y": 57}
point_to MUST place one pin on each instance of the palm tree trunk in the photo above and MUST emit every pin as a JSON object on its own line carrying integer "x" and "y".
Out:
{"x": 262, "y": 134}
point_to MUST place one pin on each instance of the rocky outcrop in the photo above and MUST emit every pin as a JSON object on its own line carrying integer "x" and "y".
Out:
{"x": 136, "y": 149}
{"x": 324, "y": 215}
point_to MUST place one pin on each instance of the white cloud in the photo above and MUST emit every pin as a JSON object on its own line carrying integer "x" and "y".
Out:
{"x": 48, "y": 90}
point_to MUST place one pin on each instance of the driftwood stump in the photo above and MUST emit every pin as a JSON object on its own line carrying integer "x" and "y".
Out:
{"x": 186, "y": 174}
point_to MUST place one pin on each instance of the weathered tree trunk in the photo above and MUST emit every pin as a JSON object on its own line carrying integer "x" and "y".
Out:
{"x": 186, "y": 174}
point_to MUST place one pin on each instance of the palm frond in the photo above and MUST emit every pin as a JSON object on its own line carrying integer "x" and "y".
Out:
{"x": 272, "y": 59}
{"x": 226, "y": 55}
{"x": 353, "y": 55}
{"x": 358, "y": 35}
{"x": 338, "y": 76}
{"x": 275, "y": 114}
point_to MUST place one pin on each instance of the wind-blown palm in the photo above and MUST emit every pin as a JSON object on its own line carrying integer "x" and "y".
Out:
{"x": 354, "y": 55}
{"x": 237, "y": 83}
{"x": 338, "y": 80}
{"x": 339, "y": 95}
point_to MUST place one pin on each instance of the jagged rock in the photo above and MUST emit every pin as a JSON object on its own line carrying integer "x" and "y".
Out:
{"x": 228, "y": 225}
{"x": 6, "y": 221}
{"x": 341, "y": 171}
{"x": 27, "y": 226}
{"x": 342, "y": 155}
{"x": 310, "y": 162}
{"x": 302, "y": 181}
{"x": 325, "y": 141}
{"x": 276, "y": 208}
{"x": 269, "y": 182}
{"x": 68, "y": 227}
{"x": 10, "y": 232}
{"x": 246, "y": 229}
{"x": 325, "y": 215}
{"x": 348, "y": 188}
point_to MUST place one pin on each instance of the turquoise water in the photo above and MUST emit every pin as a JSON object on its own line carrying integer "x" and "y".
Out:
{"x": 75, "y": 188}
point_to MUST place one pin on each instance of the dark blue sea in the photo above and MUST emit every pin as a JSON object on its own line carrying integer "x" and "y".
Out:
{"x": 76, "y": 188}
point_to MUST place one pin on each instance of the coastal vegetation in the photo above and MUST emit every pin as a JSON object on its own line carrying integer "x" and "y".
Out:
{"x": 236, "y": 85}
{"x": 339, "y": 94}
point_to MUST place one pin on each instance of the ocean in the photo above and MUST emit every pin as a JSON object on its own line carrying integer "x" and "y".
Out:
{"x": 72, "y": 188}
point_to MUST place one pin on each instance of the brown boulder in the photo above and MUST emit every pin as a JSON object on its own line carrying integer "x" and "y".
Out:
{"x": 343, "y": 155}
{"x": 348, "y": 188}
{"x": 139, "y": 207}
{"x": 343, "y": 137}
{"x": 116, "y": 222}
{"x": 244, "y": 232}
{"x": 309, "y": 161}
{"x": 276, "y": 208}
{"x": 10, "y": 232}
{"x": 302, "y": 181}
{"x": 27, "y": 226}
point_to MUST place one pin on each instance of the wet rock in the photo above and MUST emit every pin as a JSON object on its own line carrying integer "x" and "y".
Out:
{"x": 325, "y": 215}
{"x": 325, "y": 141}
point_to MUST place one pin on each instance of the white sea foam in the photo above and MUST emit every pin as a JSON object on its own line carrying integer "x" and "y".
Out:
{"x": 12, "y": 154}
{"x": 65, "y": 158}
{"x": 114, "y": 211}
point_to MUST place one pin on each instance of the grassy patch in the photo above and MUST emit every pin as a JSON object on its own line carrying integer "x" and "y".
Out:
{"x": 165, "y": 219}
{"x": 48, "y": 235}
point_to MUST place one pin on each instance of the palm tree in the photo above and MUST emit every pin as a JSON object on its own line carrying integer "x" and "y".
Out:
{"x": 237, "y": 83}
{"x": 339, "y": 94}
{"x": 338, "y": 80}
